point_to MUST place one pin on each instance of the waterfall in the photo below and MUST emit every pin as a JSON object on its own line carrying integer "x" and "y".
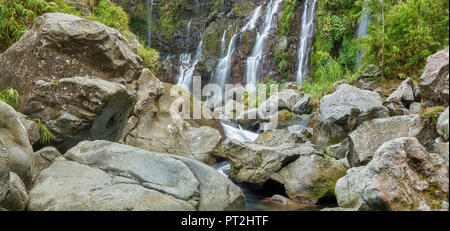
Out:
{"x": 306, "y": 35}
{"x": 239, "y": 134}
{"x": 253, "y": 19}
{"x": 187, "y": 68}
{"x": 223, "y": 69}
{"x": 149, "y": 4}
{"x": 223, "y": 43}
{"x": 362, "y": 31}
{"x": 253, "y": 61}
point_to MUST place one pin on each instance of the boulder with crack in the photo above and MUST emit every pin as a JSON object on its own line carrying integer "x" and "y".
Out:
{"x": 311, "y": 177}
{"x": 341, "y": 112}
{"x": 379, "y": 131}
{"x": 401, "y": 176}
{"x": 100, "y": 175}
{"x": 253, "y": 163}
{"x": 80, "y": 108}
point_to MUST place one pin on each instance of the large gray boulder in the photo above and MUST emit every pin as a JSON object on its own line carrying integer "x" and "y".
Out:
{"x": 343, "y": 111}
{"x": 253, "y": 163}
{"x": 4, "y": 171}
{"x": 62, "y": 46}
{"x": 15, "y": 139}
{"x": 311, "y": 177}
{"x": 434, "y": 86}
{"x": 152, "y": 126}
{"x": 80, "y": 108}
{"x": 101, "y": 175}
{"x": 401, "y": 176}
{"x": 379, "y": 131}
{"x": 443, "y": 126}
{"x": 44, "y": 158}
{"x": 16, "y": 198}
{"x": 277, "y": 137}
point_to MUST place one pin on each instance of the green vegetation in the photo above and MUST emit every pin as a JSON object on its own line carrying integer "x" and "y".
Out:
{"x": 430, "y": 115}
{"x": 414, "y": 30}
{"x": 284, "y": 25}
{"x": 9, "y": 96}
{"x": 150, "y": 57}
{"x": 17, "y": 15}
{"x": 46, "y": 135}
{"x": 334, "y": 54}
{"x": 110, "y": 15}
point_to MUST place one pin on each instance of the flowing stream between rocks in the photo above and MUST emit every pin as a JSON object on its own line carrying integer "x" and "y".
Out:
{"x": 257, "y": 197}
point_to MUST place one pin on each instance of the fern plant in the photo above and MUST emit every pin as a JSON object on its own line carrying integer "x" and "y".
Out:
{"x": 46, "y": 135}
{"x": 9, "y": 96}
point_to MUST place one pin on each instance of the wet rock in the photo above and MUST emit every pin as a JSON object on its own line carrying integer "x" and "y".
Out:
{"x": 311, "y": 177}
{"x": 339, "y": 151}
{"x": 80, "y": 108}
{"x": 346, "y": 103}
{"x": 279, "y": 202}
{"x": 16, "y": 198}
{"x": 434, "y": 86}
{"x": 255, "y": 163}
{"x": 401, "y": 176}
{"x": 442, "y": 125}
{"x": 101, "y": 175}
{"x": 15, "y": 139}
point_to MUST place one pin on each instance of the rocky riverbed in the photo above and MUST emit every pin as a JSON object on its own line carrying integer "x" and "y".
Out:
{"x": 117, "y": 146}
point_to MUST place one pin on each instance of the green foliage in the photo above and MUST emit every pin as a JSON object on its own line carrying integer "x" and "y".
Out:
{"x": 9, "y": 96}
{"x": 17, "y": 15}
{"x": 46, "y": 135}
{"x": 150, "y": 57}
{"x": 334, "y": 54}
{"x": 169, "y": 13}
{"x": 110, "y": 15}
{"x": 289, "y": 7}
{"x": 431, "y": 115}
{"x": 284, "y": 62}
{"x": 414, "y": 29}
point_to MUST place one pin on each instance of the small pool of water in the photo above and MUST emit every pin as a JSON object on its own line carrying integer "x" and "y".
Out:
{"x": 256, "y": 195}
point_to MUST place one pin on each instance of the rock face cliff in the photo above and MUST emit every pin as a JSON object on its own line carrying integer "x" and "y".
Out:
{"x": 178, "y": 27}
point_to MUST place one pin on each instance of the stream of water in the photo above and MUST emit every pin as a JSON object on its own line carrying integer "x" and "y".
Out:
{"x": 254, "y": 60}
{"x": 362, "y": 31}
{"x": 306, "y": 35}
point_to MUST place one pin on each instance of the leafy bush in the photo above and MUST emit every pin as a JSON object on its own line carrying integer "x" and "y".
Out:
{"x": 150, "y": 57}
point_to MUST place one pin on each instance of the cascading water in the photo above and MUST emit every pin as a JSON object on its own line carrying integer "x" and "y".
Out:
{"x": 223, "y": 44}
{"x": 362, "y": 31}
{"x": 253, "y": 19}
{"x": 223, "y": 68}
{"x": 187, "y": 68}
{"x": 149, "y": 4}
{"x": 306, "y": 35}
{"x": 253, "y": 61}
